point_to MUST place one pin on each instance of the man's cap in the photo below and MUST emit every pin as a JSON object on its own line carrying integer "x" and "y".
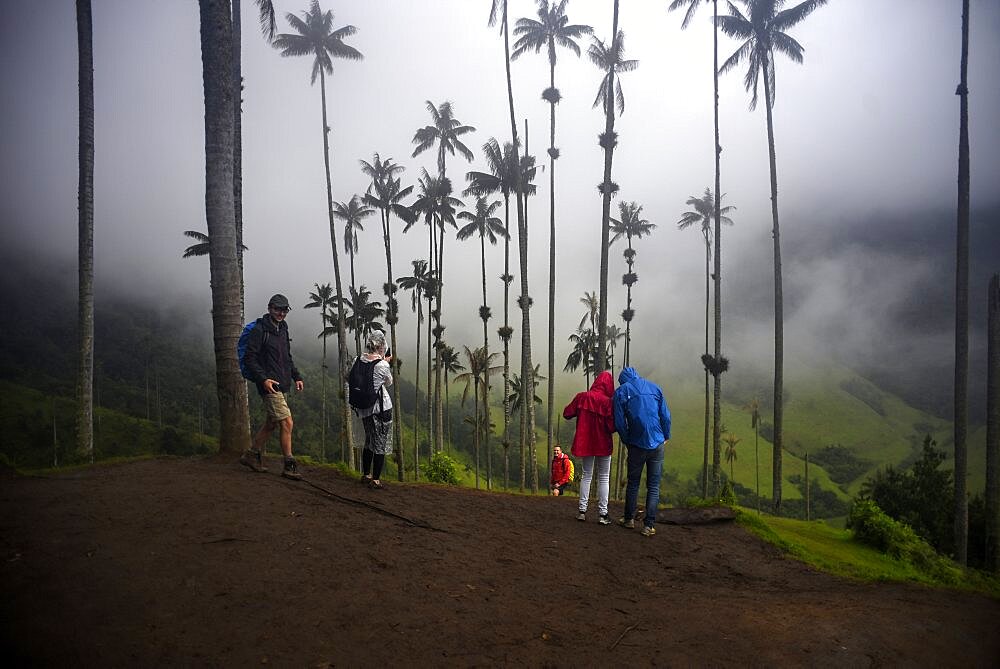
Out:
{"x": 278, "y": 300}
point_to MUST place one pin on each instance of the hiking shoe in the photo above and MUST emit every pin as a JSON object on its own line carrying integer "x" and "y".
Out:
{"x": 627, "y": 523}
{"x": 648, "y": 531}
{"x": 604, "y": 520}
{"x": 581, "y": 516}
{"x": 291, "y": 470}
{"x": 253, "y": 459}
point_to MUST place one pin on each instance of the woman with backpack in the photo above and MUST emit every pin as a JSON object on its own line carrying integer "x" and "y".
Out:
{"x": 592, "y": 442}
{"x": 373, "y": 371}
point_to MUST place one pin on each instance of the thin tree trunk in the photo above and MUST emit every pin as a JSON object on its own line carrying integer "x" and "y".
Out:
{"x": 322, "y": 437}
{"x": 962, "y": 306}
{"x": 438, "y": 343}
{"x": 522, "y": 236}
{"x": 486, "y": 372}
{"x": 216, "y": 50}
{"x": 347, "y": 436}
{"x": 85, "y": 303}
{"x": 779, "y": 324}
{"x": 704, "y": 469}
{"x": 416, "y": 393}
{"x": 993, "y": 429}
{"x": 609, "y": 149}
{"x": 357, "y": 322}
{"x": 717, "y": 375}
{"x": 506, "y": 340}
{"x": 551, "y": 395}
{"x": 528, "y": 373}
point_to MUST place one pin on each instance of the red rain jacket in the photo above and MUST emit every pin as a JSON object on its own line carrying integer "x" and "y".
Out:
{"x": 560, "y": 470}
{"x": 595, "y": 421}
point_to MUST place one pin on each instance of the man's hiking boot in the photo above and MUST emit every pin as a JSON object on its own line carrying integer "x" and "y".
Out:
{"x": 581, "y": 516}
{"x": 627, "y": 523}
{"x": 291, "y": 470}
{"x": 253, "y": 459}
{"x": 648, "y": 531}
{"x": 604, "y": 520}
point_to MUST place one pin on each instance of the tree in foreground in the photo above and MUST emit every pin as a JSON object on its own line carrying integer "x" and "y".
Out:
{"x": 762, "y": 30}
{"x": 216, "y": 58}
{"x": 611, "y": 59}
{"x": 702, "y": 214}
{"x": 85, "y": 240}
{"x": 317, "y": 38}
{"x": 551, "y": 29}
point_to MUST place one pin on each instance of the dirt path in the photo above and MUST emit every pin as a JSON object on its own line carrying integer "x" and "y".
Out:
{"x": 188, "y": 562}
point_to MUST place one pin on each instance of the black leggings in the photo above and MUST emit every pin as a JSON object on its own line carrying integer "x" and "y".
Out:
{"x": 367, "y": 459}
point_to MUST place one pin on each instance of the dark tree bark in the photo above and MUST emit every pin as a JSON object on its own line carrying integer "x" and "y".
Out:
{"x": 993, "y": 429}
{"x": 85, "y": 304}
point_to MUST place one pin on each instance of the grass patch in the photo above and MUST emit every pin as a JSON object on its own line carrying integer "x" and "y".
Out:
{"x": 836, "y": 551}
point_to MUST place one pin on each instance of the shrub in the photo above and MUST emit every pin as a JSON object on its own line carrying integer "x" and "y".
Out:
{"x": 441, "y": 469}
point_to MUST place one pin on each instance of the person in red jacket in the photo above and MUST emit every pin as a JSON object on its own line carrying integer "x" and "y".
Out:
{"x": 595, "y": 423}
{"x": 560, "y": 471}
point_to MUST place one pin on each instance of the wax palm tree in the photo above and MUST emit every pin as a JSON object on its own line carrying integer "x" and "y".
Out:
{"x": 500, "y": 180}
{"x": 417, "y": 283}
{"x": 362, "y": 312}
{"x": 352, "y": 213}
{"x": 216, "y": 46}
{"x": 611, "y": 59}
{"x": 488, "y": 227}
{"x": 85, "y": 239}
{"x": 452, "y": 364}
{"x": 552, "y": 28}
{"x": 437, "y": 206}
{"x": 317, "y": 38}
{"x": 615, "y": 335}
{"x": 962, "y": 305}
{"x": 716, "y": 206}
{"x": 386, "y": 194}
{"x": 763, "y": 31}
{"x": 731, "y": 441}
{"x": 519, "y": 392}
{"x": 479, "y": 369}
{"x": 445, "y": 132}
{"x": 498, "y": 12}
{"x": 323, "y": 299}
{"x": 630, "y": 225}
{"x": 584, "y": 340}
{"x": 701, "y": 216}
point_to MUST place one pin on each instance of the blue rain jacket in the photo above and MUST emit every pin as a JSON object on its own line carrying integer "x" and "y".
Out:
{"x": 642, "y": 418}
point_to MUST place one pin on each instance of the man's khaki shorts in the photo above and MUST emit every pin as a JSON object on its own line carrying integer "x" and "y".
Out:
{"x": 276, "y": 407}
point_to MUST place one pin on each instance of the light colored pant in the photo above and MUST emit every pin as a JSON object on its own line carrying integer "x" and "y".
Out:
{"x": 603, "y": 474}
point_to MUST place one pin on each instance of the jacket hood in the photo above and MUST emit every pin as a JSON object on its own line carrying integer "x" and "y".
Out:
{"x": 604, "y": 384}
{"x": 626, "y": 375}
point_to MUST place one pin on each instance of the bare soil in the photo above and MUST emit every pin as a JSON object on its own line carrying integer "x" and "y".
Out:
{"x": 199, "y": 563}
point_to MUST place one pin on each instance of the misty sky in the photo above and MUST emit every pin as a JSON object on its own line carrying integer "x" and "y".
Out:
{"x": 866, "y": 137}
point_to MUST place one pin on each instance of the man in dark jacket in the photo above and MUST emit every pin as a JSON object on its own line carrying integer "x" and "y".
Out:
{"x": 268, "y": 358}
{"x": 642, "y": 420}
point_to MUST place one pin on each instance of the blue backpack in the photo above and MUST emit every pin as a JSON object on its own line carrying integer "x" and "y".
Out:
{"x": 241, "y": 347}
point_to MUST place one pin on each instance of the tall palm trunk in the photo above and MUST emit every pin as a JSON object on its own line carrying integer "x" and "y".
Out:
{"x": 962, "y": 306}
{"x": 486, "y": 371}
{"x": 322, "y": 434}
{"x": 551, "y": 396}
{"x": 704, "y": 470}
{"x": 216, "y": 54}
{"x": 475, "y": 423}
{"x": 522, "y": 239}
{"x": 717, "y": 375}
{"x": 416, "y": 394}
{"x": 527, "y": 417}
{"x": 506, "y": 345}
{"x": 993, "y": 429}
{"x": 85, "y": 304}
{"x": 608, "y": 141}
{"x": 438, "y": 399}
{"x": 779, "y": 322}
{"x": 392, "y": 308}
{"x": 347, "y": 436}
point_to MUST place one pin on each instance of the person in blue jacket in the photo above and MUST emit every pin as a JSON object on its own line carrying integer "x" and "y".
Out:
{"x": 642, "y": 420}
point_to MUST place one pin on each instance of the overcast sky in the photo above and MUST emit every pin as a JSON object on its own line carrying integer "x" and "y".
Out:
{"x": 866, "y": 136}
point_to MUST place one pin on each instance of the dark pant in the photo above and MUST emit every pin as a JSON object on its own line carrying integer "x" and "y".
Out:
{"x": 652, "y": 460}
{"x": 368, "y": 459}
